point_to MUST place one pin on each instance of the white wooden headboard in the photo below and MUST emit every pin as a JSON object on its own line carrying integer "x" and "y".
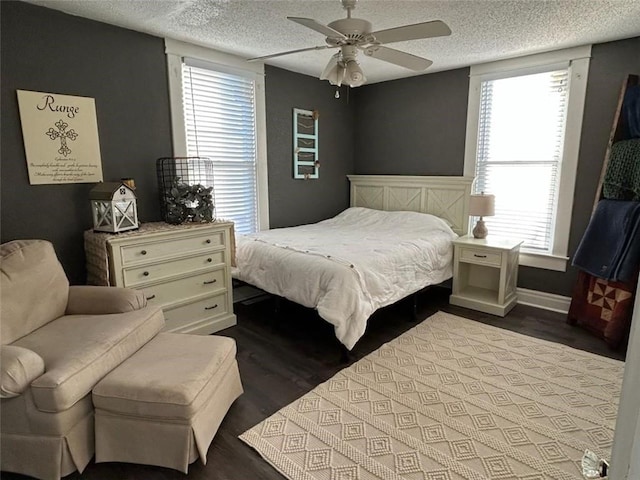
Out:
{"x": 445, "y": 197}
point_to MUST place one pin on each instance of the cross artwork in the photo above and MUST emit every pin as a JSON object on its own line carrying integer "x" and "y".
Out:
{"x": 62, "y": 133}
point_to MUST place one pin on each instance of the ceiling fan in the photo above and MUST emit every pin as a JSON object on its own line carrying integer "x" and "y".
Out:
{"x": 353, "y": 34}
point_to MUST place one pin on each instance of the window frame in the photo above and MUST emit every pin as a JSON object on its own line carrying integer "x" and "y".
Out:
{"x": 176, "y": 51}
{"x": 577, "y": 61}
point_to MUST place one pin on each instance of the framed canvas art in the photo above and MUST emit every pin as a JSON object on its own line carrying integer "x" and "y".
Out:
{"x": 60, "y": 135}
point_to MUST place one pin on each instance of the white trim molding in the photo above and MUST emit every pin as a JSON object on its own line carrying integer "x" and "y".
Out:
{"x": 532, "y": 61}
{"x": 548, "y": 262}
{"x": 577, "y": 60}
{"x": 544, "y": 300}
{"x": 176, "y": 53}
{"x": 625, "y": 452}
{"x": 224, "y": 60}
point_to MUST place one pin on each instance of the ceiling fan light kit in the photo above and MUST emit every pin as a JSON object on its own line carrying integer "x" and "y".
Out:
{"x": 355, "y": 76}
{"x": 344, "y": 68}
{"x": 353, "y": 34}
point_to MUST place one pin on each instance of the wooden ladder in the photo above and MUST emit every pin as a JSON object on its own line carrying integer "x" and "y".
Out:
{"x": 615, "y": 135}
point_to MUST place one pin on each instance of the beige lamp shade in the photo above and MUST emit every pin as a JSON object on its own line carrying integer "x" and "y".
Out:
{"x": 482, "y": 205}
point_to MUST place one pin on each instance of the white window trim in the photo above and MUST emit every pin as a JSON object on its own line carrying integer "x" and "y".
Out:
{"x": 176, "y": 51}
{"x": 578, "y": 61}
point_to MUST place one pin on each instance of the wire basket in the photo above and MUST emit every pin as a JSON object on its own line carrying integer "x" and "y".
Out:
{"x": 186, "y": 189}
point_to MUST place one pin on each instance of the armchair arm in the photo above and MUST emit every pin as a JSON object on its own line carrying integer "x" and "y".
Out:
{"x": 20, "y": 367}
{"x": 93, "y": 300}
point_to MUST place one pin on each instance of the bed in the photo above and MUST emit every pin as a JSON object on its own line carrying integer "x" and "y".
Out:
{"x": 394, "y": 240}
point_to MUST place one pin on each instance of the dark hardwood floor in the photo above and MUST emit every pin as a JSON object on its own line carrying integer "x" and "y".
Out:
{"x": 282, "y": 359}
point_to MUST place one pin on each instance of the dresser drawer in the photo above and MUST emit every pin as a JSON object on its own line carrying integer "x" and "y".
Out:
{"x": 193, "y": 286}
{"x": 162, "y": 248}
{"x": 137, "y": 276}
{"x": 200, "y": 309}
{"x": 479, "y": 256}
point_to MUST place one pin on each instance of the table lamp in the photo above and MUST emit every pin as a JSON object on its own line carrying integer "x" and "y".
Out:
{"x": 481, "y": 206}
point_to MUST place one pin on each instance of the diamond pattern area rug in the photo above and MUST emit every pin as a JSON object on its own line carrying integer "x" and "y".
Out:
{"x": 449, "y": 399}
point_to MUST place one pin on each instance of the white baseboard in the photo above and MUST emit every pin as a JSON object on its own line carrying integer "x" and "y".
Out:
{"x": 544, "y": 300}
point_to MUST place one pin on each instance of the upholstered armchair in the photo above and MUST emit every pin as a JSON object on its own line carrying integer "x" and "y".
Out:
{"x": 56, "y": 342}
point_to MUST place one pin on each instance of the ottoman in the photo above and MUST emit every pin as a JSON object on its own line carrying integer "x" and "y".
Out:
{"x": 163, "y": 405}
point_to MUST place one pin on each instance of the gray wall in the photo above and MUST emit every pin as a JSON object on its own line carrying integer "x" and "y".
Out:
{"x": 412, "y": 126}
{"x": 125, "y": 71}
{"x": 295, "y": 202}
{"x": 417, "y": 126}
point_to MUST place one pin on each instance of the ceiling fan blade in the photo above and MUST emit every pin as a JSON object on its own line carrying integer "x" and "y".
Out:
{"x": 321, "y": 47}
{"x": 435, "y": 28}
{"x": 318, "y": 27}
{"x": 402, "y": 59}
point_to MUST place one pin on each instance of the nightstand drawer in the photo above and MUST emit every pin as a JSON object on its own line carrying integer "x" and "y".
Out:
{"x": 481, "y": 257}
{"x": 172, "y": 246}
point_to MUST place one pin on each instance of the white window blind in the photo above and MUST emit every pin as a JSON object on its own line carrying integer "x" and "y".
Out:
{"x": 220, "y": 122}
{"x": 519, "y": 154}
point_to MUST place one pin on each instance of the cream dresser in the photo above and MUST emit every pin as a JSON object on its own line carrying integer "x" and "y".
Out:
{"x": 183, "y": 268}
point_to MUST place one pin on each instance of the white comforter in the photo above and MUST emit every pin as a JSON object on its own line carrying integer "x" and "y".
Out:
{"x": 350, "y": 265}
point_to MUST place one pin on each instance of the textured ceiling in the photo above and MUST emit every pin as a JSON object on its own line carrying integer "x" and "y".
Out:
{"x": 483, "y": 30}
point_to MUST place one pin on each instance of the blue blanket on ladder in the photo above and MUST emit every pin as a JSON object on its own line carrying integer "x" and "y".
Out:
{"x": 610, "y": 247}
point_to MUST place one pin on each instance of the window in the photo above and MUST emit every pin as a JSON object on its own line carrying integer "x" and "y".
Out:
{"x": 523, "y": 134}
{"x": 520, "y": 140}
{"x": 219, "y": 119}
{"x": 218, "y": 113}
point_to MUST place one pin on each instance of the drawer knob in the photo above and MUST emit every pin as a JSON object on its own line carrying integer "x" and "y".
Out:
{"x": 208, "y": 240}
{"x": 151, "y": 297}
{"x": 209, "y": 282}
{"x": 211, "y": 308}
{"x": 143, "y": 252}
{"x": 145, "y": 273}
{"x": 479, "y": 256}
{"x": 209, "y": 260}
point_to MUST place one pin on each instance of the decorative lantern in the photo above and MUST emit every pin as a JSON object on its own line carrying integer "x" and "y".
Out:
{"x": 114, "y": 209}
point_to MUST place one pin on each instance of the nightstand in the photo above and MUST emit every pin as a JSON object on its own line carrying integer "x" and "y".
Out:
{"x": 485, "y": 274}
